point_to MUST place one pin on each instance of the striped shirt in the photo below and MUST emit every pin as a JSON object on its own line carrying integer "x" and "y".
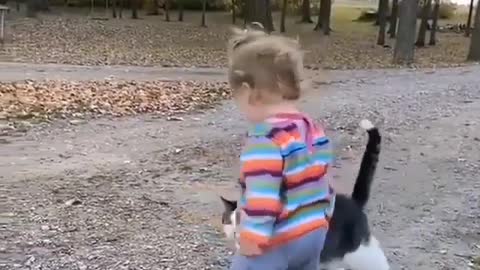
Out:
{"x": 285, "y": 193}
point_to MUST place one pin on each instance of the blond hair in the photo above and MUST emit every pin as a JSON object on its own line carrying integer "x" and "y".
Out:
{"x": 270, "y": 64}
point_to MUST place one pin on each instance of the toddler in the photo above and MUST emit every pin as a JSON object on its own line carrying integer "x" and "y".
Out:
{"x": 286, "y": 199}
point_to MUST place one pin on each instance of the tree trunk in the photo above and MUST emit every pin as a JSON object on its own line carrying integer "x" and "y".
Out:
{"x": 17, "y": 5}
{"x": 433, "y": 31}
{"x": 379, "y": 7}
{"x": 180, "y": 10}
{"x": 306, "y": 12}
{"x": 393, "y": 19}
{"x": 259, "y": 11}
{"x": 167, "y": 10}
{"x": 92, "y": 6}
{"x": 204, "y": 11}
{"x": 469, "y": 20}
{"x": 152, "y": 7}
{"x": 320, "y": 16}
{"x": 114, "y": 8}
{"x": 407, "y": 25}
{"x": 134, "y": 9}
{"x": 120, "y": 10}
{"x": 32, "y": 8}
{"x": 422, "y": 32}
{"x": 382, "y": 20}
{"x": 474, "y": 51}
{"x": 283, "y": 16}
{"x": 245, "y": 11}
{"x": 326, "y": 16}
{"x": 270, "y": 26}
{"x": 43, "y": 5}
{"x": 234, "y": 9}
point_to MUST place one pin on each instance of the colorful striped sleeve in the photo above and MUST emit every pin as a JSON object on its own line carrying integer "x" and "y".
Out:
{"x": 324, "y": 156}
{"x": 262, "y": 171}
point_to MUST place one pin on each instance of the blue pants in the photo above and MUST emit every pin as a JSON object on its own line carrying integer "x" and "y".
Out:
{"x": 300, "y": 254}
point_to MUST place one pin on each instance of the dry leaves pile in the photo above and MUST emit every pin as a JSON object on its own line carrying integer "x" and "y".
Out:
{"x": 76, "y": 39}
{"x": 66, "y": 98}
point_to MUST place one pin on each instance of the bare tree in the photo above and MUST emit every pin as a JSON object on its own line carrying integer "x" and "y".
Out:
{"x": 180, "y": 10}
{"x": 306, "y": 12}
{"x": 245, "y": 7}
{"x": 152, "y": 8}
{"x": 92, "y": 6}
{"x": 474, "y": 51}
{"x": 407, "y": 24}
{"x": 204, "y": 11}
{"x": 393, "y": 19}
{"x": 382, "y": 20}
{"x": 134, "y": 9}
{"x": 167, "y": 10}
{"x": 114, "y": 8}
{"x": 433, "y": 31}
{"x": 422, "y": 32}
{"x": 259, "y": 11}
{"x": 32, "y": 8}
{"x": 283, "y": 16}
{"x": 318, "y": 26}
{"x": 326, "y": 13}
{"x": 469, "y": 20}
{"x": 269, "y": 16}
{"x": 234, "y": 11}
{"x": 120, "y": 11}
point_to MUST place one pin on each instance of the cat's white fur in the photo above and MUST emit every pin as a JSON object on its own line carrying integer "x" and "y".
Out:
{"x": 230, "y": 230}
{"x": 368, "y": 256}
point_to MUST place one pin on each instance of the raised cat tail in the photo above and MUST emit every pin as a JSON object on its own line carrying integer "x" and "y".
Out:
{"x": 361, "y": 190}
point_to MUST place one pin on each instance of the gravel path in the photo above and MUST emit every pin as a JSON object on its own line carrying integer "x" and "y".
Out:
{"x": 141, "y": 193}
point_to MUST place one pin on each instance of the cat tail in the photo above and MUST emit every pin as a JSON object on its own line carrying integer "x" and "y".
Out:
{"x": 361, "y": 189}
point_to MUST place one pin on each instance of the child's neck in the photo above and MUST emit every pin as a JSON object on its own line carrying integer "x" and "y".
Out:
{"x": 279, "y": 108}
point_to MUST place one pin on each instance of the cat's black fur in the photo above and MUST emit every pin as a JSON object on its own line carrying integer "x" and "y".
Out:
{"x": 349, "y": 224}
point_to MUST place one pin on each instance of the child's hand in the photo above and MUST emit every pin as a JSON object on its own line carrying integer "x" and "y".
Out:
{"x": 248, "y": 248}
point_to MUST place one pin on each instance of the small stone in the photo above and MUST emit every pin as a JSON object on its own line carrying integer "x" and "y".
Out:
{"x": 81, "y": 266}
{"x": 45, "y": 228}
{"x": 30, "y": 261}
{"x": 25, "y": 124}
{"x": 6, "y": 127}
{"x": 77, "y": 121}
{"x": 73, "y": 202}
{"x": 173, "y": 118}
{"x": 46, "y": 241}
{"x": 443, "y": 251}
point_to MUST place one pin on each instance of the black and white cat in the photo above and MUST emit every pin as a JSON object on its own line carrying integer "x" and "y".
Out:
{"x": 349, "y": 243}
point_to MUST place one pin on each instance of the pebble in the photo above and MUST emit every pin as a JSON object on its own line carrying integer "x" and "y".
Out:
{"x": 77, "y": 121}
{"x": 73, "y": 202}
{"x": 6, "y": 127}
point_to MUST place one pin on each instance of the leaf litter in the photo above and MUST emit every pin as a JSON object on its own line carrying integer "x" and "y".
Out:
{"x": 150, "y": 41}
{"x": 79, "y": 99}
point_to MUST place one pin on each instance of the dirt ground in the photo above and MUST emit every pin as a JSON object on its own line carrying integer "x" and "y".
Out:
{"x": 141, "y": 192}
